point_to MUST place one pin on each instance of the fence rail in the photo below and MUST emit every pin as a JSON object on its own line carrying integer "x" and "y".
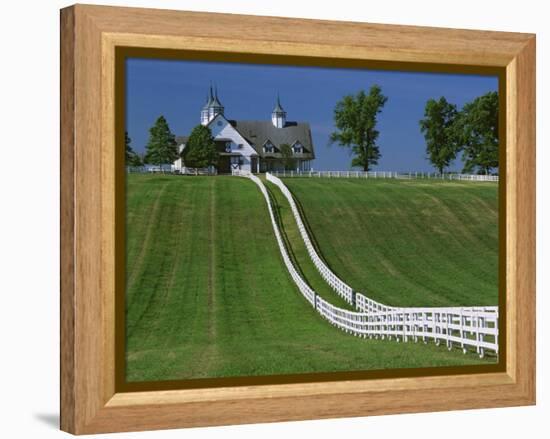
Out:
{"x": 169, "y": 169}
{"x": 338, "y": 285}
{"x": 387, "y": 174}
{"x": 475, "y": 327}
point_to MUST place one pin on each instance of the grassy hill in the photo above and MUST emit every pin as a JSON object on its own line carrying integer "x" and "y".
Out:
{"x": 208, "y": 294}
{"x": 407, "y": 242}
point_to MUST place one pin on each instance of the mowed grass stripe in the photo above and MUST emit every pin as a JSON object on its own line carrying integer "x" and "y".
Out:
{"x": 174, "y": 256}
{"x": 407, "y": 243}
{"x": 216, "y": 232}
{"x": 142, "y": 212}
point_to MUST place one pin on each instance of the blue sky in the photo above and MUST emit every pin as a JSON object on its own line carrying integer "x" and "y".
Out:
{"x": 177, "y": 90}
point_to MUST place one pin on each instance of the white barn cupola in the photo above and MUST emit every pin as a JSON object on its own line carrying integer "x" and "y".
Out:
{"x": 278, "y": 115}
{"x": 205, "y": 116}
{"x": 211, "y": 108}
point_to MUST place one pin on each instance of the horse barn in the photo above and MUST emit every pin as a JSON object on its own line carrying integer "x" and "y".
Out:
{"x": 254, "y": 145}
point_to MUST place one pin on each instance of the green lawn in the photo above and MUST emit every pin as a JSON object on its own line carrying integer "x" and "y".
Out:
{"x": 208, "y": 294}
{"x": 407, "y": 242}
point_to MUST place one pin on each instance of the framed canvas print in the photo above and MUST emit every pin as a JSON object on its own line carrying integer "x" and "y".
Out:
{"x": 269, "y": 219}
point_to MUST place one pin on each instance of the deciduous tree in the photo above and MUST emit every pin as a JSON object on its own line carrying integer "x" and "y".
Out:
{"x": 437, "y": 127}
{"x": 476, "y": 131}
{"x": 355, "y": 118}
{"x": 288, "y": 160}
{"x": 200, "y": 150}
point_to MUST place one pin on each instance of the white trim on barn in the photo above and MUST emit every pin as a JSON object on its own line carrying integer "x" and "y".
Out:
{"x": 242, "y": 153}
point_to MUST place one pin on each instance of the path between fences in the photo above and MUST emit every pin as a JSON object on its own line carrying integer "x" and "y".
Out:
{"x": 474, "y": 327}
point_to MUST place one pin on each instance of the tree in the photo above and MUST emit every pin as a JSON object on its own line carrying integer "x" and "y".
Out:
{"x": 438, "y": 129}
{"x": 200, "y": 150}
{"x": 161, "y": 147}
{"x": 476, "y": 131}
{"x": 356, "y": 117}
{"x": 288, "y": 160}
{"x": 132, "y": 159}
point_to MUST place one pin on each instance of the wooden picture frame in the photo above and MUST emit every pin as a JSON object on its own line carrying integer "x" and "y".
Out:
{"x": 90, "y": 37}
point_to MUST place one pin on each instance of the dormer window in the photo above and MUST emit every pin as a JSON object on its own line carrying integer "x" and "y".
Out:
{"x": 297, "y": 148}
{"x": 269, "y": 147}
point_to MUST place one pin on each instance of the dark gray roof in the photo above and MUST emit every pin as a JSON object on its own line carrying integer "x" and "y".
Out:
{"x": 181, "y": 139}
{"x": 257, "y": 132}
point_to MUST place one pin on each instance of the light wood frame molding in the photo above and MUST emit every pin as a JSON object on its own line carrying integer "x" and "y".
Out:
{"x": 89, "y": 37}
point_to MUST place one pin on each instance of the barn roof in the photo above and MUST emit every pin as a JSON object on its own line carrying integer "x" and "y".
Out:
{"x": 258, "y": 132}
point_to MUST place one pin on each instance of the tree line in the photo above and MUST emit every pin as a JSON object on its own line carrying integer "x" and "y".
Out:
{"x": 161, "y": 148}
{"x": 472, "y": 131}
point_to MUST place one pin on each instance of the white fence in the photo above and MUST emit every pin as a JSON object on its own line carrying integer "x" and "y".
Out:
{"x": 240, "y": 172}
{"x": 466, "y": 326}
{"x": 149, "y": 169}
{"x": 169, "y": 169}
{"x": 343, "y": 289}
{"x": 304, "y": 288}
{"x": 387, "y": 174}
